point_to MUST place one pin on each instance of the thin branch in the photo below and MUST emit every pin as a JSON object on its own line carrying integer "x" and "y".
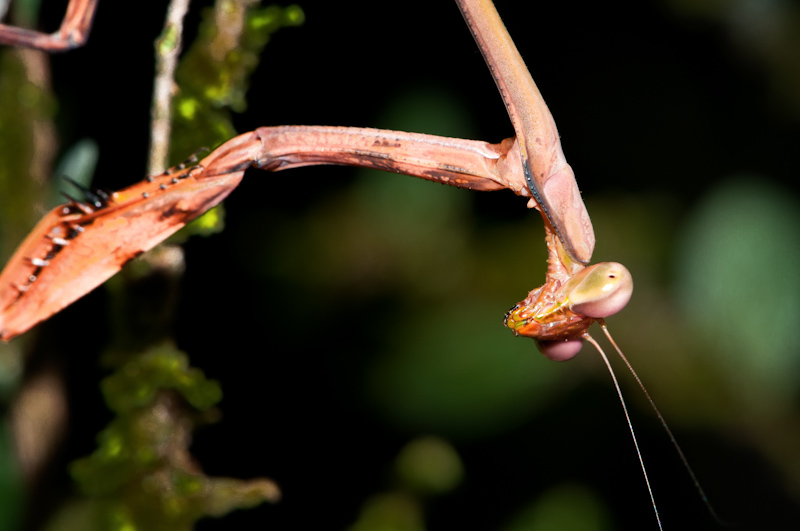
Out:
{"x": 4, "y": 8}
{"x": 168, "y": 48}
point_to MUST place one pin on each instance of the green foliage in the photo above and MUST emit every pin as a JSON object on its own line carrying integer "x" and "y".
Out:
{"x": 213, "y": 75}
{"x": 425, "y": 468}
{"x": 213, "y": 79}
{"x": 393, "y": 511}
{"x": 563, "y": 508}
{"x": 26, "y": 110}
{"x": 27, "y": 107}
{"x": 162, "y": 368}
{"x": 10, "y": 479}
{"x": 429, "y": 466}
{"x": 745, "y": 231}
{"x": 142, "y": 474}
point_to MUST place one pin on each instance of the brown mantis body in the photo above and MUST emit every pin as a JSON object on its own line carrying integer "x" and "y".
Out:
{"x": 531, "y": 165}
{"x": 97, "y": 239}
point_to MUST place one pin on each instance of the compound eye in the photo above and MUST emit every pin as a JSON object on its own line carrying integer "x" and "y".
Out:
{"x": 603, "y": 290}
{"x": 560, "y": 350}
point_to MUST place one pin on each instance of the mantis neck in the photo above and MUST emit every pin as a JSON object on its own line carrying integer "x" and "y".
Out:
{"x": 560, "y": 267}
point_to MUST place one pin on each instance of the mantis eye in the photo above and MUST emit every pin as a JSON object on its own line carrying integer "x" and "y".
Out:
{"x": 602, "y": 290}
{"x": 560, "y": 349}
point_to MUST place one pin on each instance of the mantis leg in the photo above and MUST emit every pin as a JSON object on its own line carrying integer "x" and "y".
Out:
{"x": 463, "y": 163}
{"x": 77, "y": 246}
{"x": 73, "y": 33}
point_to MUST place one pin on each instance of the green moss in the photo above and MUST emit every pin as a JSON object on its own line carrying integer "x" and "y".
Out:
{"x": 214, "y": 74}
{"x": 142, "y": 474}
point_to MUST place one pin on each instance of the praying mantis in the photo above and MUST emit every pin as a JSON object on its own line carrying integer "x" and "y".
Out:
{"x": 45, "y": 274}
{"x": 557, "y": 315}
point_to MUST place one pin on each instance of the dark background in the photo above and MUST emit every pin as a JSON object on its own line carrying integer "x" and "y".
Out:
{"x": 661, "y": 110}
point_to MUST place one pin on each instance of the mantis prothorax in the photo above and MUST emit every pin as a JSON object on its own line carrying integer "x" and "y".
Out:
{"x": 79, "y": 245}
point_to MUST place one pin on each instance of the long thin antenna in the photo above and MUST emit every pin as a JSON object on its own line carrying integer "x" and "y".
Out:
{"x": 661, "y": 419}
{"x": 591, "y": 340}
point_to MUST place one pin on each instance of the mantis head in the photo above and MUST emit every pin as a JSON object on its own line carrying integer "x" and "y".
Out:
{"x": 558, "y": 318}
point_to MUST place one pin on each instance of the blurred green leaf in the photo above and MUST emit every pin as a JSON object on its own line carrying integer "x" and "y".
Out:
{"x": 442, "y": 376}
{"x": 429, "y": 465}
{"x": 11, "y": 487}
{"x": 390, "y": 512}
{"x": 563, "y": 508}
{"x": 739, "y": 288}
